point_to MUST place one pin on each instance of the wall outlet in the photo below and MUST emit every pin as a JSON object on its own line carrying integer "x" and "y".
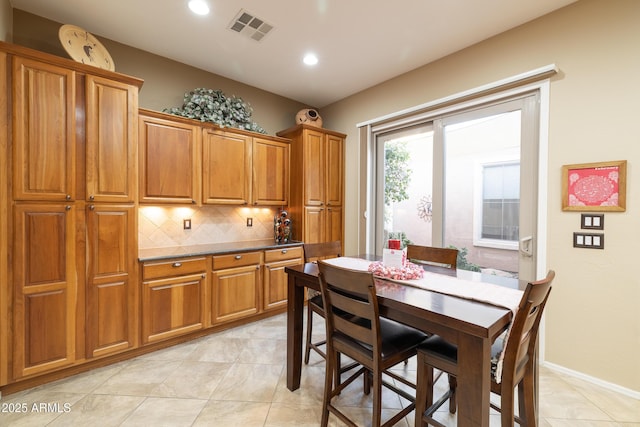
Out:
{"x": 249, "y": 222}
{"x": 186, "y": 224}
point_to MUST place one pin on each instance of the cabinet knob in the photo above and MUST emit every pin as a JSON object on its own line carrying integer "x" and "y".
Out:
{"x": 67, "y": 208}
{"x": 67, "y": 197}
{"x": 176, "y": 264}
{"x": 238, "y": 257}
{"x": 284, "y": 251}
{"x": 203, "y": 276}
{"x": 92, "y": 207}
{"x": 92, "y": 197}
{"x": 193, "y": 202}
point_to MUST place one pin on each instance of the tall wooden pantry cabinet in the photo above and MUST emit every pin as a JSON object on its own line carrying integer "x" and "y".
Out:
{"x": 317, "y": 183}
{"x": 68, "y": 159}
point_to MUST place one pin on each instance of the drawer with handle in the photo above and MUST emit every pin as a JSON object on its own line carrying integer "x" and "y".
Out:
{"x": 173, "y": 267}
{"x": 221, "y": 262}
{"x": 283, "y": 254}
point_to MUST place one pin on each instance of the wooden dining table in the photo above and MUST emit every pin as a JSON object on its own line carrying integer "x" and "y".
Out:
{"x": 471, "y": 325}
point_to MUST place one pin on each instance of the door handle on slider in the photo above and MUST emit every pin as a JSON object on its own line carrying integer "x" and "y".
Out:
{"x": 526, "y": 246}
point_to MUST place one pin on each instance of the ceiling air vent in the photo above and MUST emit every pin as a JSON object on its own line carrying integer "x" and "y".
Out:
{"x": 249, "y": 25}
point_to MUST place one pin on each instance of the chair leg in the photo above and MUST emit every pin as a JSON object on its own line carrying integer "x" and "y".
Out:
{"x": 424, "y": 390}
{"x": 307, "y": 347}
{"x": 328, "y": 388}
{"x": 527, "y": 401}
{"x": 377, "y": 400}
{"x": 506, "y": 406}
{"x": 453, "y": 385}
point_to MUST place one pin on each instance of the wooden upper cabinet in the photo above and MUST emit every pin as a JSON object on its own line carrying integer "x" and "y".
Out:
{"x": 270, "y": 172}
{"x": 317, "y": 183}
{"x": 334, "y": 170}
{"x": 44, "y": 126}
{"x": 169, "y": 160}
{"x": 111, "y": 140}
{"x": 226, "y": 168}
{"x": 313, "y": 168}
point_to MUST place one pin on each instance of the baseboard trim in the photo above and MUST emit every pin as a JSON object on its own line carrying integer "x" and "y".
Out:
{"x": 593, "y": 380}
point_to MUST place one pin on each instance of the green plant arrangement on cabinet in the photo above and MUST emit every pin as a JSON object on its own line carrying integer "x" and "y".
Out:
{"x": 208, "y": 105}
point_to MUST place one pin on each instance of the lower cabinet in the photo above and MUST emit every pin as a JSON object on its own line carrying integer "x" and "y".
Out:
{"x": 236, "y": 284}
{"x": 112, "y": 283}
{"x": 45, "y": 288}
{"x": 173, "y": 298}
{"x": 275, "y": 279}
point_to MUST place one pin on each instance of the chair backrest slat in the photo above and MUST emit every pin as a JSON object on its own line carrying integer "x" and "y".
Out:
{"x": 324, "y": 250}
{"x": 520, "y": 346}
{"x": 447, "y": 257}
{"x": 353, "y": 292}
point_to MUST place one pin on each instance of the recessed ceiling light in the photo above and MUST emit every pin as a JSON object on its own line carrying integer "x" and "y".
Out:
{"x": 310, "y": 59}
{"x": 199, "y": 7}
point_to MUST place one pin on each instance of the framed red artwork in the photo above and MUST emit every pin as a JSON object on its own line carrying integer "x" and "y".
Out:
{"x": 595, "y": 187}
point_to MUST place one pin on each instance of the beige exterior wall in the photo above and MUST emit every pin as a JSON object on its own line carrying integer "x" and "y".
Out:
{"x": 592, "y": 319}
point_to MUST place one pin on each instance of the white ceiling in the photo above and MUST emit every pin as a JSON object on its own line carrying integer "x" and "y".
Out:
{"x": 360, "y": 43}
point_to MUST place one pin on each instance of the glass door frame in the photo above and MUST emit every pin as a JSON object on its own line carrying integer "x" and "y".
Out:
{"x": 540, "y": 88}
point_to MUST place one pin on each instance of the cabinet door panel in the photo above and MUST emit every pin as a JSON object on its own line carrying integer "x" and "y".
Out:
{"x": 226, "y": 168}
{"x": 44, "y": 309}
{"x": 169, "y": 167}
{"x": 313, "y": 225}
{"x": 333, "y": 224}
{"x": 335, "y": 170}
{"x": 111, "y": 289}
{"x": 313, "y": 160}
{"x": 275, "y": 283}
{"x": 172, "y": 307}
{"x": 235, "y": 293}
{"x": 44, "y": 128}
{"x": 111, "y": 116}
{"x": 270, "y": 172}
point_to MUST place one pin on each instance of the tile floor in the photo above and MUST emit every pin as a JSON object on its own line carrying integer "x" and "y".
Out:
{"x": 238, "y": 378}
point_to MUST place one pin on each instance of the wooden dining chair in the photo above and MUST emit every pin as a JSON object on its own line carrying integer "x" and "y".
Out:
{"x": 517, "y": 370}
{"x": 315, "y": 252}
{"x": 446, "y": 257}
{"x": 376, "y": 343}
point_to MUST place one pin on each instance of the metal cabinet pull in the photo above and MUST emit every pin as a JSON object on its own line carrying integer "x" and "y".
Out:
{"x": 67, "y": 208}
{"x": 92, "y": 207}
{"x": 67, "y": 197}
{"x": 176, "y": 264}
{"x": 284, "y": 251}
{"x": 238, "y": 257}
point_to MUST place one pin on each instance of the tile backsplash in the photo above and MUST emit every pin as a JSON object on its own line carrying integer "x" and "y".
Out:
{"x": 160, "y": 227}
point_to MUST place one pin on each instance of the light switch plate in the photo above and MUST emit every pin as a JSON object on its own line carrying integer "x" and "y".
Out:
{"x": 592, "y": 221}
{"x": 186, "y": 224}
{"x": 588, "y": 240}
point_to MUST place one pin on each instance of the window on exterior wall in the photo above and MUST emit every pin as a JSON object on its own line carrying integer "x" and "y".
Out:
{"x": 500, "y": 205}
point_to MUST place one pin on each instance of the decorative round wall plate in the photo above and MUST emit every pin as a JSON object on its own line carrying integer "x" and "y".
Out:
{"x": 84, "y": 47}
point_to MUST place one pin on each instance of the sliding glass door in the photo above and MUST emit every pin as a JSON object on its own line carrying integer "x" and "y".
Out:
{"x": 466, "y": 179}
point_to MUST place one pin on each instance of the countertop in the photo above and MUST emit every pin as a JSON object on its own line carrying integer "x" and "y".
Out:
{"x": 155, "y": 254}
